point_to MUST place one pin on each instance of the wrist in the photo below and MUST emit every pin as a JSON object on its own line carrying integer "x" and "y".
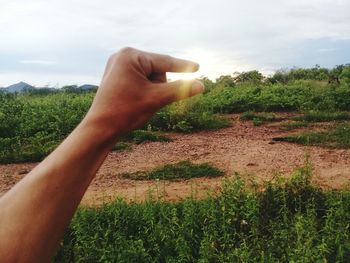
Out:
{"x": 99, "y": 130}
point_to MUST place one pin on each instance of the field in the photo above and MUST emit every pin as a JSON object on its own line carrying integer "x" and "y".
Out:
{"x": 254, "y": 170}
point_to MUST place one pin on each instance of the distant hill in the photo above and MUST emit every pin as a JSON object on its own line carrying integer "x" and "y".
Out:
{"x": 18, "y": 87}
{"x": 23, "y": 87}
{"x": 87, "y": 87}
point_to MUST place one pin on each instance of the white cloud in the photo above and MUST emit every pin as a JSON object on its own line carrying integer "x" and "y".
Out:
{"x": 224, "y": 35}
{"x": 323, "y": 50}
{"x": 38, "y": 62}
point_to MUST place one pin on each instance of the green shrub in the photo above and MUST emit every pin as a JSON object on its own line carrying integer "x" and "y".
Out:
{"x": 291, "y": 125}
{"x": 337, "y": 138}
{"x": 187, "y": 116}
{"x": 322, "y": 116}
{"x": 33, "y": 118}
{"x": 258, "y": 118}
{"x": 294, "y": 96}
{"x": 140, "y": 136}
{"x": 286, "y": 222}
{"x": 345, "y": 76}
{"x": 122, "y": 146}
{"x": 180, "y": 170}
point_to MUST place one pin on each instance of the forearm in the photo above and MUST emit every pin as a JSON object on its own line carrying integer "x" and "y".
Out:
{"x": 46, "y": 199}
{"x": 35, "y": 213}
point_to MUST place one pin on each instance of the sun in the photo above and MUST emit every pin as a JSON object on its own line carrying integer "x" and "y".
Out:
{"x": 212, "y": 64}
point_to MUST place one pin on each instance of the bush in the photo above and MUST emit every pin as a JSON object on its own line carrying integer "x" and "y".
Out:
{"x": 258, "y": 118}
{"x": 345, "y": 76}
{"x": 322, "y": 116}
{"x": 181, "y": 170}
{"x": 290, "y": 221}
{"x": 337, "y": 138}
{"x": 140, "y": 136}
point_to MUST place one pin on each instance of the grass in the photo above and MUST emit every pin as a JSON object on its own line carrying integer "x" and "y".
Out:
{"x": 323, "y": 116}
{"x": 264, "y": 97}
{"x": 258, "y": 118}
{"x": 122, "y": 146}
{"x": 32, "y": 125}
{"x": 181, "y": 170}
{"x": 291, "y": 221}
{"x": 186, "y": 117}
{"x": 140, "y": 136}
{"x": 292, "y": 125}
{"x": 336, "y": 138}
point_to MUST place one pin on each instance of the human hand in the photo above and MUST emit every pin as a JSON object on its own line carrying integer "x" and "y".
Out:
{"x": 134, "y": 87}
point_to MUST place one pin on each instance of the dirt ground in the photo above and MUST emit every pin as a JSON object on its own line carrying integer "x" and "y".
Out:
{"x": 243, "y": 148}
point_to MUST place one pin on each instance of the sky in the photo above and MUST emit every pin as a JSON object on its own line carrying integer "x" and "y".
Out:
{"x": 56, "y": 43}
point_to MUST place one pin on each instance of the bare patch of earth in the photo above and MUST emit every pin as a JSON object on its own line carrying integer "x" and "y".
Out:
{"x": 242, "y": 148}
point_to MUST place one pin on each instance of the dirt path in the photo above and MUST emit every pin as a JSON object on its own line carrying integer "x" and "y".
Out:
{"x": 242, "y": 148}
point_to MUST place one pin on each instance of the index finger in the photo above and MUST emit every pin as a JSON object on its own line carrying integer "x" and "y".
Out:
{"x": 164, "y": 63}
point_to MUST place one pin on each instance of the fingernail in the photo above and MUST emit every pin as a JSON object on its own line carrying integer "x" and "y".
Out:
{"x": 197, "y": 87}
{"x": 196, "y": 66}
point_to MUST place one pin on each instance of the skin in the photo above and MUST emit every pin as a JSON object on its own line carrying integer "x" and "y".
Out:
{"x": 35, "y": 212}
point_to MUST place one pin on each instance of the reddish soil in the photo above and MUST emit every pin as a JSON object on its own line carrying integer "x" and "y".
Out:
{"x": 243, "y": 148}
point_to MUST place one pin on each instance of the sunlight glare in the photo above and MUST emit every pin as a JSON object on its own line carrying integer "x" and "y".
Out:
{"x": 212, "y": 64}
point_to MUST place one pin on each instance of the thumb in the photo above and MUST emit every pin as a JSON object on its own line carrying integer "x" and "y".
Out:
{"x": 179, "y": 90}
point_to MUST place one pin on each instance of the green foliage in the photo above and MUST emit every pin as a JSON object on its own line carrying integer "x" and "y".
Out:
{"x": 345, "y": 76}
{"x": 315, "y": 73}
{"x": 31, "y": 126}
{"x": 122, "y": 146}
{"x": 291, "y": 125}
{"x": 208, "y": 84}
{"x": 187, "y": 116}
{"x": 140, "y": 136}
{"x": 323, "y": 116}
{"x": 258, "y": 118}
{"x": 253, "y": 77}
{"x": 295, "y": 96}
{"x": 225, "y": 81}
{"x": 287, "y": 222}
{"x": 337, "y": 138}
{"x": 181, "y": 170}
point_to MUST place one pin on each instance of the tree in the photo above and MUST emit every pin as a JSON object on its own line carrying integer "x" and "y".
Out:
{"x": 70, "y": 88}
{"x": 208, "y": 84}
{"x": 249, "y": 76}
{"x": 225, "y": 81}
{"x": 344, "y": 77}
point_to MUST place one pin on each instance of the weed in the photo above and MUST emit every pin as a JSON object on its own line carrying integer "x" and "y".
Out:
{"x": 122, "y": 146}
{"x": 258, "y": 118}
{"x": 292, "y": 125}
{"x": 322, "y": 116}
{"x": 337, "y": 138}
{"x": 293, "y": 221}
{"x": 181, "y": 170}
{"x": 140, "y": 136}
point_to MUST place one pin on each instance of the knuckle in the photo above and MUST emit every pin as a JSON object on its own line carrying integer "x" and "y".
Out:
{"x": 169, "y": 61}
{"x": 126, "y": 50}
{"x": 144, "y": 62}
{"x": 123, "y": 52}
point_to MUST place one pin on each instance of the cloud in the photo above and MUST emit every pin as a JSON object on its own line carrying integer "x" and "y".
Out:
{"x": 322, "y": 50}
{"x": 224, "y": 35}
{"x": 38, "y": 62}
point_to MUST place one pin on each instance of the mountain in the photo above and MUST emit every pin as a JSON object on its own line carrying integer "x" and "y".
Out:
{"x": 19, "y": 87}
{"x": 87, "y": 87}
{"x": 23, "y": 87}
